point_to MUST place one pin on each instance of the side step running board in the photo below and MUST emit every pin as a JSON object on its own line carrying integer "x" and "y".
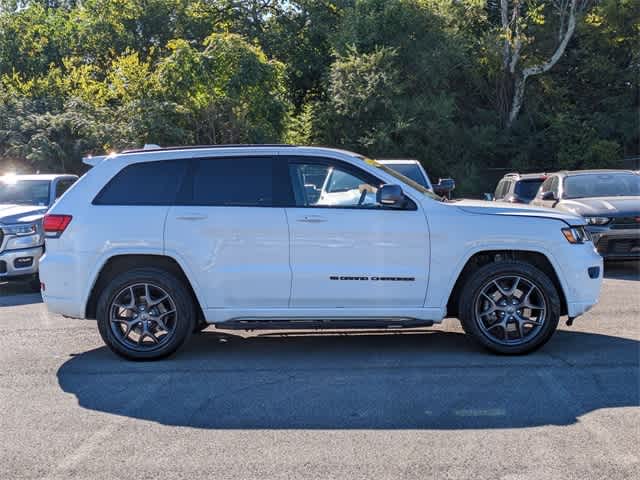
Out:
{"x": 320, "y": 324}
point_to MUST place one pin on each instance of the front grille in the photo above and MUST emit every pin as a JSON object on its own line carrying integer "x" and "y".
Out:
{"x": 1, "y": 238}
{"x": 625, "y": 223}
{"x": 3, "y": 266}
{"x": 620, "y": 246}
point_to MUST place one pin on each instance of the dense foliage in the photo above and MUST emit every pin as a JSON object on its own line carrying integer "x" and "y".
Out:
{"x": 426, "y": 79}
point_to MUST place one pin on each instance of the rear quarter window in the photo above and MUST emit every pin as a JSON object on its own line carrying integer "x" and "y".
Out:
{"x": 147, "y": 183}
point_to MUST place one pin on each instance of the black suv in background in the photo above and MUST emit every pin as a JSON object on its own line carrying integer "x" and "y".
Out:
{"x": 518, "y": 187}
{"x": 609, "y": 200}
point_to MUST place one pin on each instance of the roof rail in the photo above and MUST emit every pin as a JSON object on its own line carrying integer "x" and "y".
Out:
{"x": 157, "y": 148}
{"x": 148, "y": 147}
{"x": 93, "y": 161}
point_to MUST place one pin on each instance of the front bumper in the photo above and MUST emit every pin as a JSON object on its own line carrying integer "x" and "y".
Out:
{"x": 616, "y": 244}
{"x": 581, "y": 284}
{"x": 17, "y": 263}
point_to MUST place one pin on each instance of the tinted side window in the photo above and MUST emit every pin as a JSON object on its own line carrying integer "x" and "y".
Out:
{"x": 502, "y": 189}
{"x": 238, "y": 181}
{"x": 148, "y": 183}
{"x": 62, "y": 186}
{"x": 546, "y": 186}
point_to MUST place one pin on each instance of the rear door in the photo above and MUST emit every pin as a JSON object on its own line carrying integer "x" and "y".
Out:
{"x": 230, "y": 229}
{"x": 346, "y": 249}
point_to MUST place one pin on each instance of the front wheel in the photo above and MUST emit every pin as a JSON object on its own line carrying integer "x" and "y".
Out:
{"x": 510, "y": 307}
{"x": 145, "y": 314}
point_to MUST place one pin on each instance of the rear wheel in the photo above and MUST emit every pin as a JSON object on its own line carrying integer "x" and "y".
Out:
{"x": 510, "y": 307}
{"x": 145, "y": 314}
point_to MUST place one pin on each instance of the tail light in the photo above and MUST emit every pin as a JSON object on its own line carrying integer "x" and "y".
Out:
{"x": 55, "y": 225}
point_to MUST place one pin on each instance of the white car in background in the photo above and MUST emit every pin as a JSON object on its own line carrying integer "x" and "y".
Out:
{"x": 413, "y": 170}
{"x": 156, "y": 244}
{"x": 24, "y": 199}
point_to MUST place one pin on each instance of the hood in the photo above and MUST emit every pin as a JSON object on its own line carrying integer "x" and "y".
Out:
{"x": 603, "y": 206}
{"x": 21, "y": 213}
{"x": 483, "y": 207}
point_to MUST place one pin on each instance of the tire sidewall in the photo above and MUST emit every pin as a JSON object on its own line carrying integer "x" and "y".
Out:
{"x": 493, "y": 271}
{"x": 170, "y": 284}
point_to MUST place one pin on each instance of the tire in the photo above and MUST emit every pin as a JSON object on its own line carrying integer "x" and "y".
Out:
{"x": 509, "y": 336}
{"x": 200, "y": 326}
{"x": 160, "y": 283}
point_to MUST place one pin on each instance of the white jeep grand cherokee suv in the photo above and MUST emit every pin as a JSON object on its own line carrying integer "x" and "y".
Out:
{"x": 158, "y": 244}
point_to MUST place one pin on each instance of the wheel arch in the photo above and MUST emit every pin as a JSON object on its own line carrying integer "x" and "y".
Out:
{"x": 484, "y": 257}
{"x": 122, "y": 262}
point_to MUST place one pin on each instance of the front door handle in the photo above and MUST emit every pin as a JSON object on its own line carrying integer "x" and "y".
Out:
{"x": 191, "y": 217}
{"x": 312, "y": 219}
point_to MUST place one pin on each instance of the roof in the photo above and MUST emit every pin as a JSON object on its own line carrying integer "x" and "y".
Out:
{"x": 47, "y": 176}
{"x": 528, "y": 176}
{"x": 396, "y": 161}
{"x": 216, "y": 149}
{"x": 594, "y": 171}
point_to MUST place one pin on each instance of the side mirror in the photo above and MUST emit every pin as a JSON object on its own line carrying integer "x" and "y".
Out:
{"x": 547, "y": 196}
{"x": 488, "y": 197}
{"x": 444, "y": 187}
{"x": 390, "y": 195}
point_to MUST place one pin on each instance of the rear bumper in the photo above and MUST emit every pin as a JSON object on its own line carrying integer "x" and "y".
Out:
{"x": 19, "y": 263}
{"x": 65, "y": 279}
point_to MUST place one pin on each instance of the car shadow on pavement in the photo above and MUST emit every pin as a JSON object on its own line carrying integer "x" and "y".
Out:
{"x": 14, "y": 294}
{"x": 629, "y": 270}
{"x": 418, "y": 380}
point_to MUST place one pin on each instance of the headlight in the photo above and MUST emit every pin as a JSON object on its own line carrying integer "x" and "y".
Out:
{"x": 20, "y": 229}
{"x": 23, "y": 241}
{"x": 576, "y": 234}
{"x": 597, "y": 220}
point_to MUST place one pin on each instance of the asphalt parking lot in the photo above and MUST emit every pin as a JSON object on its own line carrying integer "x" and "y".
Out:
{"x": 423, "y": 404}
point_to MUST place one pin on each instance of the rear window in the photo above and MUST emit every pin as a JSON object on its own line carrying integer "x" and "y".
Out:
{"x": 527, "y": 189}
{"x": 149, "y": 183}
{"x": 236, "y": 181}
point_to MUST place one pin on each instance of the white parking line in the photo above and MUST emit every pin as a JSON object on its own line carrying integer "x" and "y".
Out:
{"x": 474, "y": 412}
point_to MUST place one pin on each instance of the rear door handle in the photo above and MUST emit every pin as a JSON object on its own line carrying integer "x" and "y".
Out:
{"x": 191, "y": 217}
{"x": 312, "y": 219}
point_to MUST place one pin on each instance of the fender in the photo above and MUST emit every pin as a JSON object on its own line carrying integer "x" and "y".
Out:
{"x": 501, "y": 247}
{"x": 128, "y": 251}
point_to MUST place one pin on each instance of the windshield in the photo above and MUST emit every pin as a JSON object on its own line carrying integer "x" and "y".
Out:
{"x": 402, "y": 178}
{"x": 602, "y": 185}
{"x": 410, "y": 170}
{"x": 527, "y": 189}
{"x": 24, "y": 192}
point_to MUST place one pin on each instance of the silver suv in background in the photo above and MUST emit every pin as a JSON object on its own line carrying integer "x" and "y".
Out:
{"x": 518, "y": 187}
{"x": 24, "y": 199}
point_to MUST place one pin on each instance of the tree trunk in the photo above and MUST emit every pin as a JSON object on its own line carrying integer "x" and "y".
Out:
{"x": 518, "y": 99}
{"x": 521, "y": 79}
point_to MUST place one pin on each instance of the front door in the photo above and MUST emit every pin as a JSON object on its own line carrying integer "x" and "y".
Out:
{"x": 346, "y": 249}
